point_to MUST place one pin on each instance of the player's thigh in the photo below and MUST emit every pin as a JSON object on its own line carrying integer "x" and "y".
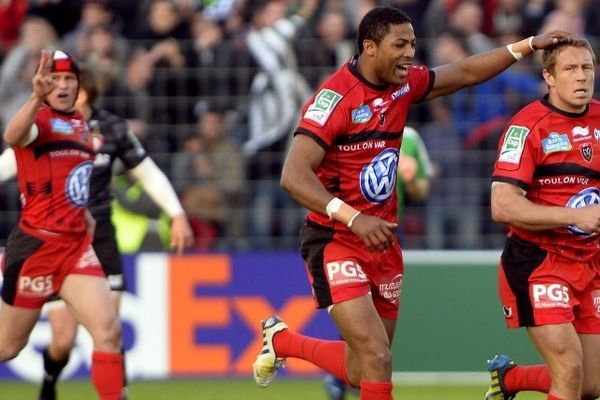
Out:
{"x": 360, "y": 325}
{"x": 63, "y": 323}
{"x": 89, "y": 298}
{"x": 16, "y": 324}
{"x": 558, "y": 344}
{"x": 591, "y": 363}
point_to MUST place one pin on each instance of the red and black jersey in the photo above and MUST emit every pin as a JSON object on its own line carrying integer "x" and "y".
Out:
{"x": 54, "y": 172}
{"x": 360, "y": 127}
{"x": 555, "y": 157}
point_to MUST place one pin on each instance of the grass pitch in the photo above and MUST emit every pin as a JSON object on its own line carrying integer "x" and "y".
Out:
{"x": 242, "y": 389}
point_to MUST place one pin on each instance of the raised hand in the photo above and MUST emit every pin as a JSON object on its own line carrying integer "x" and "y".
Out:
{"x": 551, "y": 38}
{"x": 42, "y": 81}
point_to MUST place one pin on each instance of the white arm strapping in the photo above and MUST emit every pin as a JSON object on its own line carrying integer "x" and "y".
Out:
{"x": 158, "y": 187}
{"x": 8, "y": 165}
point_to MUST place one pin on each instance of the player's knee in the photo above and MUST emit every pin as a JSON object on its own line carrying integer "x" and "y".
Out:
{"x": 380, "y": 359}
{"x": 10, "y": 351}
{"x": 108, "y": 336}
{"x": 572, "y": 371}
{"x": 62, "y": 346}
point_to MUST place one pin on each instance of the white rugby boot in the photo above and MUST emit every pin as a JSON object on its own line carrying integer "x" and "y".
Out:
{"x": 267, "y": 363}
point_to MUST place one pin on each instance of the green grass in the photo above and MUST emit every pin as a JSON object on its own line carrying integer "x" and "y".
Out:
{"x": 240, "y": 389}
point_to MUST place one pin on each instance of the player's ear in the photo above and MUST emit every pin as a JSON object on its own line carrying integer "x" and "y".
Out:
{"x": 548, "y": 77}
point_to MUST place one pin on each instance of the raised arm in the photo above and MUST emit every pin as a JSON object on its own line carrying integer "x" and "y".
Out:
{"x": 481, "y": 67}
{"x": 19, "y": 131}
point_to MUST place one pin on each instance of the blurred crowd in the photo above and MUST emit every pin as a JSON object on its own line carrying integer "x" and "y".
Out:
{"x": 213, "y": 89}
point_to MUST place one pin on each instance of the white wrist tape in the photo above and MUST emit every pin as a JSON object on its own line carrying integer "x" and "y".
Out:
{"x": 521, "y": 49}
{"x": 333, "y": 206}
{"x": 352, "y": 219}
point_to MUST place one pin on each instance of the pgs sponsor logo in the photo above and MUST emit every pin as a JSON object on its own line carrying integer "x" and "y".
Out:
{"x": 39, "y": 286}
{"x": 553, "y": 295}
{"x": 344, "y": 272}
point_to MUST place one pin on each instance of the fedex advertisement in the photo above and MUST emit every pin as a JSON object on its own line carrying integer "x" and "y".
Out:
{"x": 195, "y": 315}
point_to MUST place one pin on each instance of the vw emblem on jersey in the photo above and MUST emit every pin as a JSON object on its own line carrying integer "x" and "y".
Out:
{"x": 584, "y": 198}
{"x": 378, "y": 178}
{"x": 78, "y": 184}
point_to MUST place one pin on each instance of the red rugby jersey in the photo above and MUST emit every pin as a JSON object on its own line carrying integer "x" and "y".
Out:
{"x": 551, "y": 154}
{"x": 54, "y": 171}
{"x": 360, "y": 127}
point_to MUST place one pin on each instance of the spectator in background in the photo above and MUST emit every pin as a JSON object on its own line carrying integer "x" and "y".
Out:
{"x": 12, "y": 15}
{"x": 20, "y": 65}
{"x": 220, "y": 68}
{"x": 210, "y": 174}
{"x": 163, "y": 34}
{"x": 330, "y": 49}
{"x": 63, "y": 15}
{"x": 131, "y": 96}
{"x": 507, "y": 17}
{"x": 103, "y": 56}
{"x": 276, "y": 93}
{"x": 467, "y": 20}
{"x": 94, "y": 13}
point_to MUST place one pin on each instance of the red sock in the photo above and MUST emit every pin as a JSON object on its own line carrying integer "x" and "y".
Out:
{"x": 108, "y": 375}
{"x": 528, "y": 377}
{"x": 376, "y": 390}
{"x": 329, "y": 355}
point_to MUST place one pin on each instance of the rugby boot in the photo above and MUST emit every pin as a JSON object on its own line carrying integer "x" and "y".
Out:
{"x": 267, "y": 363}
{"x": 497, "y": 367}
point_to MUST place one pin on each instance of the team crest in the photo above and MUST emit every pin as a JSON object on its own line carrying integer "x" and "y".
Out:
{"x": 587, "y": 152}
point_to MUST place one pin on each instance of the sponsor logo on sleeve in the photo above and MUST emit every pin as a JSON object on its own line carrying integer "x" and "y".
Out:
{"x": 513, "y": 145}
{"x": 556, "y": 142}
{"x": 321, "y": 108}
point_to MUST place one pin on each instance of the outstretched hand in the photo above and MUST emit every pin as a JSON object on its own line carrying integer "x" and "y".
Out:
{"x": 181, "y": 233}
{"x": 42, "y": 81}
{"x": 550, "y": 39}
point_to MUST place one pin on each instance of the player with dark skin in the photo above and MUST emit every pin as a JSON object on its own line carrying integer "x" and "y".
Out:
{"x": 386, "y": 55}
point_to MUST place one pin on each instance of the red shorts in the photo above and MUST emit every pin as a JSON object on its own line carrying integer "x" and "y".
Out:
{"x": 35, "y": 264}
{"x": 542, "y": 288}
{"x": 341, "y": 268}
